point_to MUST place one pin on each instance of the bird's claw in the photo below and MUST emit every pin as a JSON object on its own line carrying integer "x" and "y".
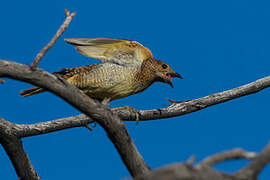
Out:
{"x": 132, "y": 110}
{"x": 95, "y": 124}
{"x": 106, "y": 101}
{"x": 91, "y": 127}
{"x": 135, "y": 112}
{"x": 88, "y": 127}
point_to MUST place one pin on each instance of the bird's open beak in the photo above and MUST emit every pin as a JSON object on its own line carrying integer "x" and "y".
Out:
{"x": 176, "y": 75}
{"x": 170, "y": 83}
{"x": 169, "y": 79}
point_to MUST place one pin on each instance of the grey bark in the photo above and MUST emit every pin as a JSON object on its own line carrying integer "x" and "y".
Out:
{"x": 11, "y": 134}
{"x": 176, "y": 109}
{"x": 111, "y": 123}
{"x": 204, "y": 170}
{"x": 14, "y": 148}
{"x": 116, "y": 129}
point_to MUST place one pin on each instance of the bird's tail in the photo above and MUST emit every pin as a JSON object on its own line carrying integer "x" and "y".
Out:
{"x": 31, "y": 91}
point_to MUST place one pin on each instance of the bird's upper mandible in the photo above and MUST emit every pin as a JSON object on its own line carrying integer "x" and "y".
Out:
{"x": 118, "y": 51}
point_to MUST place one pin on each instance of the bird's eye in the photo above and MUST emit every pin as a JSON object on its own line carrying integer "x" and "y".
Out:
{"x": 164, "y": 66}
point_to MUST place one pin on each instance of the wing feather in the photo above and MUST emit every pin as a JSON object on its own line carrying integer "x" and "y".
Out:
{"x": 119, "y": 51}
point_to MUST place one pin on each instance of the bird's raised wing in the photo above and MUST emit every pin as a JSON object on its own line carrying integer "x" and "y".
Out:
{"x": 119, "y": 51}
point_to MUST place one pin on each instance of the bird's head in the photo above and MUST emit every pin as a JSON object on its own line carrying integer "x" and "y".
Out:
{"x": 164, "y": 73}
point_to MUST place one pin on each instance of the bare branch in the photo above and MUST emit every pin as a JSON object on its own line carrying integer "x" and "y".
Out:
{"x": 111, "y": 123}
{"x": 61, "y": 30}
{"x": 98, "y": 112}
{"x": 179, "y": 109}
{"x": 14, "y": 149}
{"x": 204, "y": 171}
{"x": 173, "y": 110}
{"x": 183, "y": 171}
{"x": 227, "y": 155}
{"x": 26, "y": 130}
{"x": 257, "y": 165}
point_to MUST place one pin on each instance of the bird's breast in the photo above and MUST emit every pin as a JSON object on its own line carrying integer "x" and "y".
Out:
{"x": 112, "y": 81}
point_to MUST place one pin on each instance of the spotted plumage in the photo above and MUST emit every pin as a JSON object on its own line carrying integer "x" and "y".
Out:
{"x": 128, "y": 68}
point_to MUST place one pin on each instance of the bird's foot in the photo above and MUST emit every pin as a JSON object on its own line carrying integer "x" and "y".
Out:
{"x": 106, "y": 101}
{"x": 88, "y": 127}
{"x": 91, "y": 127}
{"x": 131, "y": 110}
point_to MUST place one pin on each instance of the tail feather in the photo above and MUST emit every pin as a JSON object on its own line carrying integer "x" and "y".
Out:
{"x": 31, "y": 91}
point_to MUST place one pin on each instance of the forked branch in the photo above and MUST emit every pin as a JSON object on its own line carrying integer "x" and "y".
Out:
{"x": 111, "y": 123}
{"x": 115, "y": 129}
{"x": 14, "y": 148}
{"x": 225, "y": 156}
{"x": 10, "y": 133}
{"x": 204, "y": 171}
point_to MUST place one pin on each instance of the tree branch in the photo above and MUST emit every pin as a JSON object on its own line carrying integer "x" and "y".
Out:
{"x": 204, "y": 171}
{"x": 224, "y": 156}
{"x": 14, "y": 149}
{"x": 26, "y": 130}
{"x": 111, "y": 123}
{"x": 183, "y": 171}
{"x": 257, "y": 165}
{"x": 61, "y": 30}
{"x": 182, "y": 108}
{"x": 176, "y": 109}
{"x": 11, "y": 133}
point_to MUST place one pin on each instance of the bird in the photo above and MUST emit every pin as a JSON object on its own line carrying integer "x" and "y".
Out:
{"x": 127, "y": 68}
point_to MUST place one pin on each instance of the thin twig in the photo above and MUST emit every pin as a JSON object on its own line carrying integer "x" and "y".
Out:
{"x": 63, "y": 27}
{"x": 227, "y": 155}
{"x": 191, "y": 160}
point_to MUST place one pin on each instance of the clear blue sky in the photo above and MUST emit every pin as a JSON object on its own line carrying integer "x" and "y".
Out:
{"x": 215, "y": 45}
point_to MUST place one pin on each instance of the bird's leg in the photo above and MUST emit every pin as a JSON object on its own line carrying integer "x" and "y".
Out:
{"x": 131, "y": 110}
{"x": 95, "y": 124}
{"x": 91, "y": 127}
{"x": 105, "y": 102}
{"x": 88, "y": 127}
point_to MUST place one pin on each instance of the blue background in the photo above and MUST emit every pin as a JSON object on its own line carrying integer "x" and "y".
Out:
{"x": 215, "y": 45}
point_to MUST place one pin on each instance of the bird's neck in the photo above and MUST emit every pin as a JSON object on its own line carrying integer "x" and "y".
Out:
{"x": 147, "y": 72}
